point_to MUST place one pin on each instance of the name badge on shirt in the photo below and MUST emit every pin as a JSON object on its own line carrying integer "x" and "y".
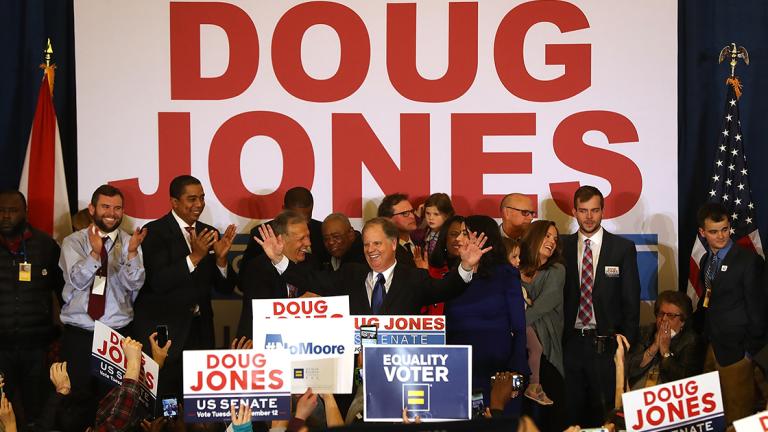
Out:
{"x": 99, "y": 283}
{"x": 25, "y": 272}
{"x": 612, "y": 271}
{"x": 724, "y": 268}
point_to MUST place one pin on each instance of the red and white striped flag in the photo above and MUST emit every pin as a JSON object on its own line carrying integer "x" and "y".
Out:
{"x": 729, "y": 185}
{"x": 42, "y": 179}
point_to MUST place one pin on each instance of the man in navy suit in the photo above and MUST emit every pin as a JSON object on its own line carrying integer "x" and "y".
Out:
{"x": 730, "y": 313}
{"x": 601, "y": 301}
{"x": 184, "y": 260}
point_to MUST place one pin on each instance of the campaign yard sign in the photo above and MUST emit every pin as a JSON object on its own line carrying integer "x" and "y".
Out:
{"x": 108, "y": 363}
{"x": 690, "y": 404}
{"x": 215, "y": 380}
{"x": 321, "y": 349}
{"x": 403, "y": 329}
{"x": 300, "y": 308}
{"x": 433, "y": 382}
{"x": 755, "y": 423}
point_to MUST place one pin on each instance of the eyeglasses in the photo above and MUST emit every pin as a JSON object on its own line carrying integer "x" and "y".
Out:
{"x": 668, "y": 315}
{"x": 405, "y": 213}
{"x": 523, "y": 212}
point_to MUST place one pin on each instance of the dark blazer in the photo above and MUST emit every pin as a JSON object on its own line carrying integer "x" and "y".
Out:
{"x": 253, "y": 249}
{"x": 259, "y": 279}
{"x": 616, "y": 300}
{"x": 171, "y": 291}
{"x": 403, "y": 256}
{"x": 411, "y": 288}
{"x": 686, "y": 361}
{"x": 734, "y": 323}
{"x": 354, "y": 254}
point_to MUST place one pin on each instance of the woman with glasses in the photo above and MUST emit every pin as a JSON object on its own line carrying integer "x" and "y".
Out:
{"x": 668, "y": 349}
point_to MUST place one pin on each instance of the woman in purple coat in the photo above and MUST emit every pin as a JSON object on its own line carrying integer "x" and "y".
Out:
{"x": 490, "y": 315}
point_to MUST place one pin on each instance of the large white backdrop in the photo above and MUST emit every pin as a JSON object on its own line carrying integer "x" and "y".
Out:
{"x": 326, "y": 95}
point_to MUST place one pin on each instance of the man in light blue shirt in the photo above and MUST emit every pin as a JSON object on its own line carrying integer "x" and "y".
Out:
{"x": 103, "y": 272}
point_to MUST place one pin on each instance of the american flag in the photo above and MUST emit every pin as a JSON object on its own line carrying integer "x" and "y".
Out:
{"x": 729, "y": 185}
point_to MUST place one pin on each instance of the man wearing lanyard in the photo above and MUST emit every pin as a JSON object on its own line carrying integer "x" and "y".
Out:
{"x": 29, "y": 275}
{"x": 103, "y": 272}
{"x": 730, "y": 311}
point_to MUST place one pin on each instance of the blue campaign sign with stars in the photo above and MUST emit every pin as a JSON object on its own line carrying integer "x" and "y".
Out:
{"x": 433, "y": 382}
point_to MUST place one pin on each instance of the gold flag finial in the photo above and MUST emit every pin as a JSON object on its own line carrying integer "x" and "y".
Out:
{"x": 735, "y": 54}
{"x": 48, "y": 68}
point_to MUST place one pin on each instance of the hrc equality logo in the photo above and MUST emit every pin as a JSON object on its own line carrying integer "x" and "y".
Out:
{"x": 416, "y": 397}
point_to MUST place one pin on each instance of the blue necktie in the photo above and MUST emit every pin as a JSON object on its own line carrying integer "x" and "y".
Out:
{"x": 377, "y": 298}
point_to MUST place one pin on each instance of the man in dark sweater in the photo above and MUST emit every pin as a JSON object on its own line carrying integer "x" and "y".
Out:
{"x": 29, "y": 277}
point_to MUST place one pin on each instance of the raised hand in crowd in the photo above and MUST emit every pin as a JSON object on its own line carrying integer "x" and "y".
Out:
{"x": 96, "y": 242}
{"x": 201, "y": 243}
{"x": 472, "y": 250}
{"x": 242, "y": 343}
{"x": 138, "y": 236}
{"x": 132, "y": 352}
{"x": 332, "y": 413}
{"x": 306, "y": 404}
{"x": 241, "y": 418}
{"x": 223, "y": 244}
{"x": 622, "y": 347}
{"x": 406, "y": 420}
{"x": 502, "y": 391}
{"x": 159, "y": 353}
{"x": 155, "y": 425}
{"x": 272, "y": 244}
{"x": 7, "y": 417}
{"x": 420, "y": 258}
{"x": 60, "y": 378}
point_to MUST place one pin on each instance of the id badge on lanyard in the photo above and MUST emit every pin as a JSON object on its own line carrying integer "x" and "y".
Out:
{"x": 25, "y": 271}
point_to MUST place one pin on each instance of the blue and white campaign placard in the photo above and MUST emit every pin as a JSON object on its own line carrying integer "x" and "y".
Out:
{"x": 300, "y": 308}
{"x": 755, "y": 423}
{"x": 690, "y": 404}
{"x": 108, "y": 363}
{"x": 403, "y": 329}
{"x": 321, "y": 350}
{"x": 433, "y": 382}
{"x": 215, "y": 380}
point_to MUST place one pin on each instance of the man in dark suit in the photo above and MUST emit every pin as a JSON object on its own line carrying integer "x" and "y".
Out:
{"x": 384, "y": 287}
{"x": 184, "y": 259}
{"x": 258, "y": 277}
{"x": 730, "y": 313}
{"x": 300, "y": 200}
{"x": 397, "y": 208}
{"x": 343, "y": 243}
{"x": 601, "y": 300}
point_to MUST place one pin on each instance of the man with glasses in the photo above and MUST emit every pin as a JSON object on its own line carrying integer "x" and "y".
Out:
{"x": 730, "y": 311}
{"x": 517, "y": 212}
{"x": 397, "y": 208}
{"x": 342, "y": 242}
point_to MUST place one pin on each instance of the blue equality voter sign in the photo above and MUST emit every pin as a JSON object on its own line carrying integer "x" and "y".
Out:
{"x": 403, "y": 329}
{"x": 433, "y": 382}
{"x": 216, "y": 380}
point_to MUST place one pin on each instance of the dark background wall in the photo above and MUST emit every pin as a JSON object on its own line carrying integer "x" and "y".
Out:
{"x": 705, "y": 27}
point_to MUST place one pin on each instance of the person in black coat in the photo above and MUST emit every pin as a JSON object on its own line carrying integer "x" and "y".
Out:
{"x": 184, "y": 260}
{"x": 601, "y": 300}
{"x": 343, "y": 243}
{"x": 730, "y": 313}
{"x": 383, "y": 287}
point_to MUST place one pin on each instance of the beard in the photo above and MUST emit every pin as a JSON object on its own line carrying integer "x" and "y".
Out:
{"x": 99, "y": 222}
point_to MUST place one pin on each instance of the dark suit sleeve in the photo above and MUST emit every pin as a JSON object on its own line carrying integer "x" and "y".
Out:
{"x": 56, "y": 277}
{"x": 630, "y": 293}
{"x": 754, "y": 296}
{"x": 258, "y": 279}
{"x": 322, "y": 282}
{"x": 164, "y": 274}
{"x": 686, "y": 362}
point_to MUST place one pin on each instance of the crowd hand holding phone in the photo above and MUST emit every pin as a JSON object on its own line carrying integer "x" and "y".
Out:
{"x": 242, "y": 343}
{"x": 60, "y": 378}
{"x": 504, "y": 387}
{"x": 160, "y": 349}
{"x": 241, "y": 418}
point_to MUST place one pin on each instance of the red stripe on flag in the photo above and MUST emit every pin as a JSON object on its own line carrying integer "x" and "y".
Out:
{"x": 746, "y": 243}
{"x": 42, "y": 158}
{"x": 693, "y": 276}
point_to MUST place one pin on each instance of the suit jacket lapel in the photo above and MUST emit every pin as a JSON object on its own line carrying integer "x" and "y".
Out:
{"x": 572, "y": 258}
{"x": 397, "y": 281}
{"x": 175, "y": 232}
{"x": 605, "y": 251}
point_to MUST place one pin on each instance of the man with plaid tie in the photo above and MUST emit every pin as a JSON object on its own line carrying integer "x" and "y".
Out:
{"x": 103, "y": 271}
{"x": 730, "y": 313}
{"x": 602, "y": 300}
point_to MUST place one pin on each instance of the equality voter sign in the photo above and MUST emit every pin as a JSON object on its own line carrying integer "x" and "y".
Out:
{"x": 402, "y": 329}
{"x": 108, "y": 362}
{"x": 216, "y": 380}
{"x": 316, "y": 333}
{"x": 755, "y": 423}
{"x": 691, "y": 404}
{"x": 433, "y": 382}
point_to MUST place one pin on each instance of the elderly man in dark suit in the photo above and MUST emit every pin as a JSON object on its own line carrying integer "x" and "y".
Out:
{"x": 384, "y": 286}
{"x": 730, "y": 313}
{"x": 601, "y": 301}
{"x": 184, "y": 260}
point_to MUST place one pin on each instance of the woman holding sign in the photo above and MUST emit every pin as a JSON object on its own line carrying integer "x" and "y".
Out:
{"x": 490, "y": 314}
